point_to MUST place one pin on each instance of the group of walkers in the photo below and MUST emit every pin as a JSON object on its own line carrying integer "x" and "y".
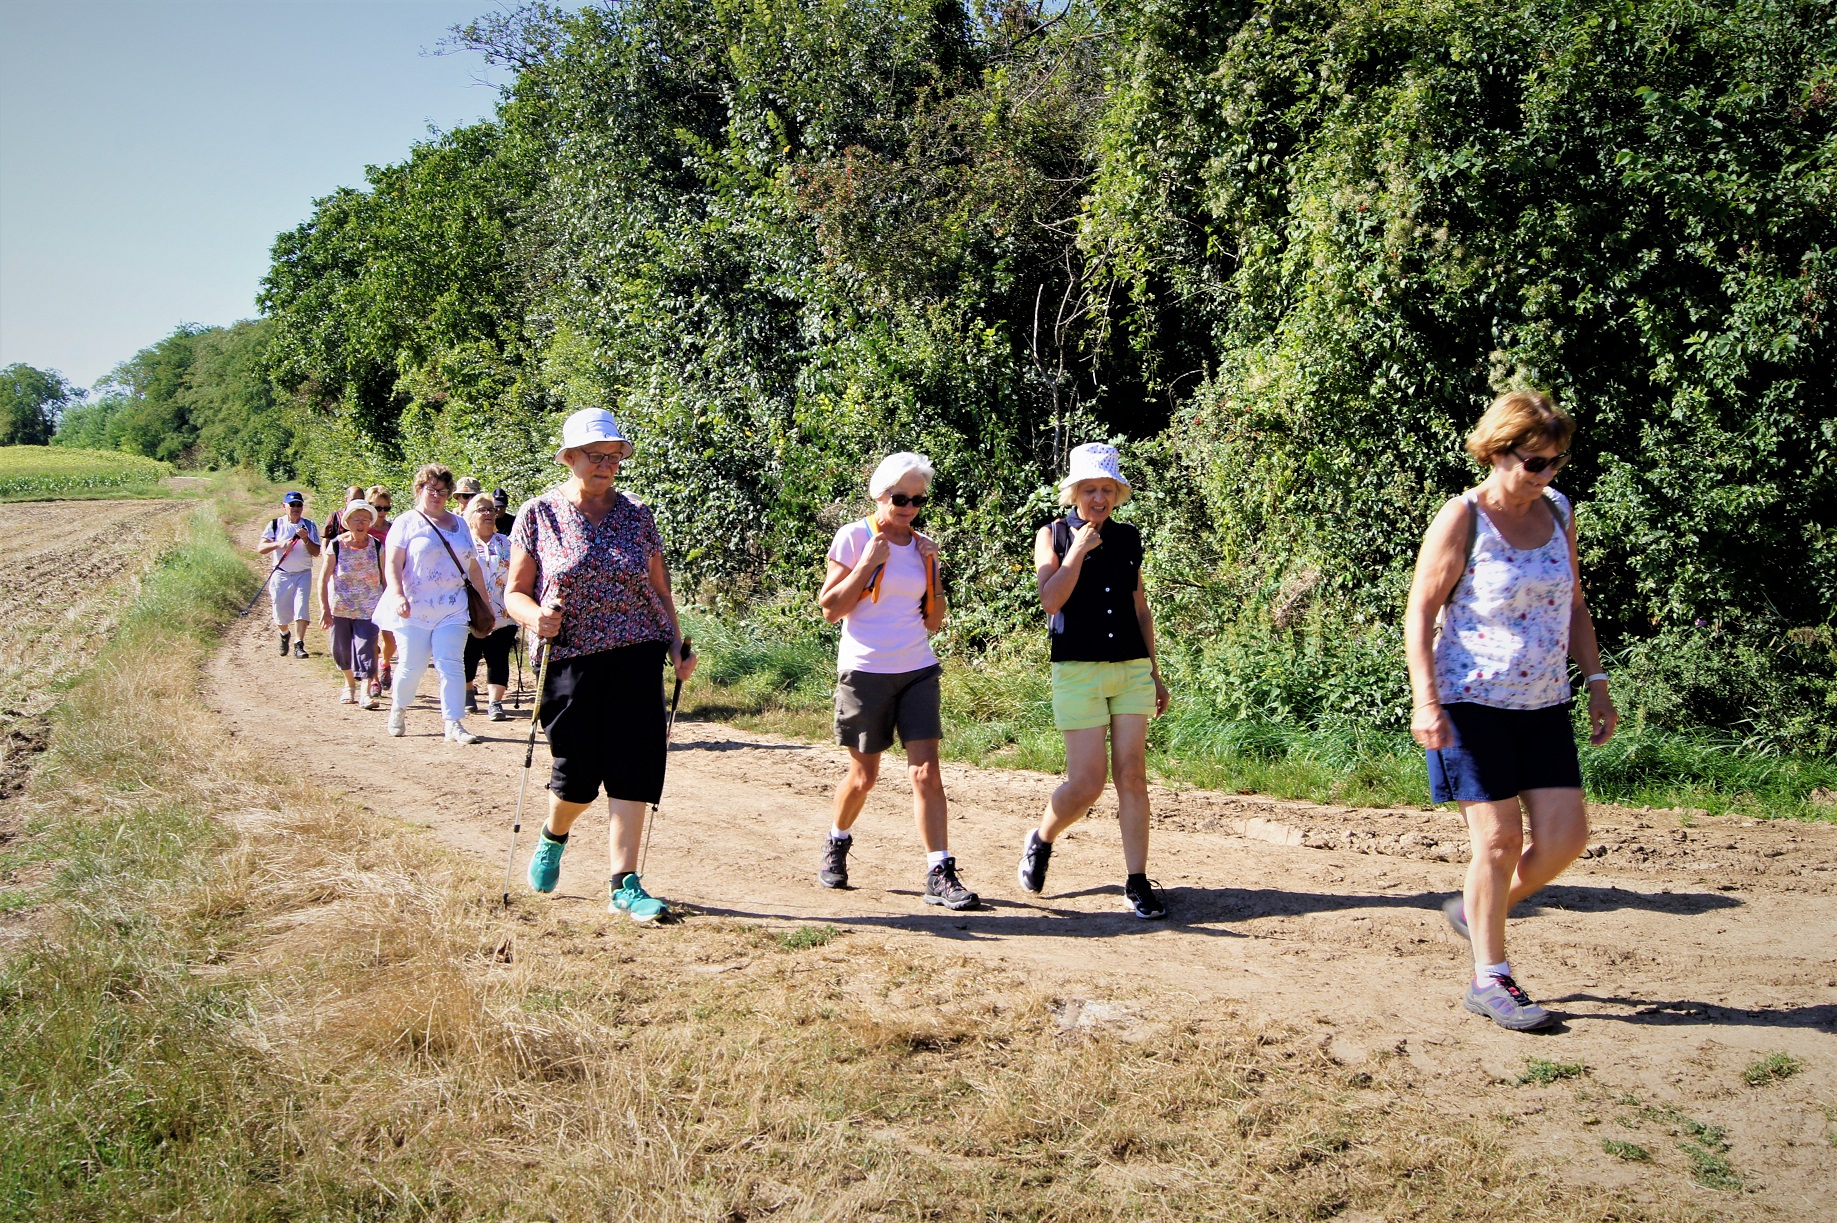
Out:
{"x": 395, "y": 592}
{"x": 1495, "y": 612}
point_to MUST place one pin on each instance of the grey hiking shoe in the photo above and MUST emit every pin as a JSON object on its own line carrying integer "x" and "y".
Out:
{"x": 495, "y": 712}
{"x": 1034, "y": 857}
{"x": 1455, "y": 910}
{"x": 285, "y": 638}
{"x": 834, "y": 871}
{"x": 942, "y": 887}
{"x": 299, "y": 649}
{"x": 1506, "y": 1005}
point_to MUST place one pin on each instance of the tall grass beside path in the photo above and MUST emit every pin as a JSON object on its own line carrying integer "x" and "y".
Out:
{"x": 242, "y": 998}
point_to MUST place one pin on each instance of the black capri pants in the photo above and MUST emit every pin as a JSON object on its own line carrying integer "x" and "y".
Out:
{"x": 603, "y": 715}
{"x": 494, "y": 648}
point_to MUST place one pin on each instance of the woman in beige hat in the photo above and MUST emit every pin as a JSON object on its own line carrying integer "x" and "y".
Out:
{"x": 1106, "y": 683}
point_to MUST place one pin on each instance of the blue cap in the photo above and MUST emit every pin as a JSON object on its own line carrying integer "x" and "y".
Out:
{"x": 292, "y": 498}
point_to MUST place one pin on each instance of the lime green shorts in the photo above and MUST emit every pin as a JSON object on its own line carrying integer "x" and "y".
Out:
{"x": 1088, "y": 694}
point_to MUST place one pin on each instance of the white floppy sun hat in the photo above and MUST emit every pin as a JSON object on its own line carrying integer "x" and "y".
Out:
{"x": 587, "y": 426}
{"x": 1096, "y": 461}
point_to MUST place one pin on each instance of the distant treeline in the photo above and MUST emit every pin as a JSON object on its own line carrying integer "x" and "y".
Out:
{"x": 1283, "y": 253}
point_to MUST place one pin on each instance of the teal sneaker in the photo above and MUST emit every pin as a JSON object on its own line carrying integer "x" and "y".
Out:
{"x": 629, "y": 896}
{"x": 545, "y": 863}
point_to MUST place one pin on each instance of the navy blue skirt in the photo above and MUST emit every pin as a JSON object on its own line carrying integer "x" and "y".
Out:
{"x": 1499, "y": 753}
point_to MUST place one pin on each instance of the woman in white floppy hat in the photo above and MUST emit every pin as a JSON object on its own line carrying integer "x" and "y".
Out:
{"x": 587, "y": 576}
{"x": 882, "y": 588}
{"x": 1105, "y": 681}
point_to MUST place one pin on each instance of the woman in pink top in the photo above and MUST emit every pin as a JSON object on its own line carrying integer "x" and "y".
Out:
{"x": 883, "y": 588}
{"x": 1496, "y": 611}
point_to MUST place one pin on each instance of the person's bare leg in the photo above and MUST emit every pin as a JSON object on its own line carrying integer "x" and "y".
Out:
{"x": 1558, "y": 820}
{"x": 1086, "y": 769}
{"x": 299, "y": 631}
{"x": 1129, "y": 766}
{"x": 851, "y": 795}
{"x": 496, "y": 692}
{"x": 627, "y": 834}
{"x": 562, "y": 814}
{"x": 929, "y": 809}
{"x": 1497, "y": 831}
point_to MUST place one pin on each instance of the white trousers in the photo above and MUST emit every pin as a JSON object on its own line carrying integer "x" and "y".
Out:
{"x": 446, "y": 645}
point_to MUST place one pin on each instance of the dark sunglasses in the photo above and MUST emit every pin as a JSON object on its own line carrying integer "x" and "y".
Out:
{"x": 1537, "y": 462}
{"x": 902, "y": 501}
{"x": 381, "y": 505}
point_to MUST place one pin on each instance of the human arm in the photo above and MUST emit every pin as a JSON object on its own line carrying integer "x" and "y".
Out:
{"x": 1585, "y": 648}
{"x": 325, "y": 590}
{"x": 1057, "y": 578}
{"x": 660, "y": 582}
{"x": 395, "y": 560}
{"x": 520, "y": 596}
{"x": 1438, "y": 568}
{"x": 845, "y": 584}
{"x": 309, "y": 535}
{"x": 935, "y": 606}
{"x": 1145, "y": 620}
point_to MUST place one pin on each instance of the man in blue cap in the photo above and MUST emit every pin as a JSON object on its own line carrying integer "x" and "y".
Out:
{"x": 292, "y": 542}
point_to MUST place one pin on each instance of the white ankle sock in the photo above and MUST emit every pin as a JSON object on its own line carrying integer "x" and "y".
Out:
{"x": 936, "y": 856}
{"x": 1484, "y": 972}
{"x": 840, "y": 834}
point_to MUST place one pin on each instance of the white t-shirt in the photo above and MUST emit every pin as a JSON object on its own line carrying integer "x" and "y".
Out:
{"x": 888, "y": 637}
{"x": 436, "y": 587}
{"x": 298, "y": 559}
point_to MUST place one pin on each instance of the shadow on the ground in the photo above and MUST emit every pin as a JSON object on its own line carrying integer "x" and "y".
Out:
{"x": 1654, "y": 1012}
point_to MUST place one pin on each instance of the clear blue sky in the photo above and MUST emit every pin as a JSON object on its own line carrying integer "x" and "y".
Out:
{"x": 150, "y": 150}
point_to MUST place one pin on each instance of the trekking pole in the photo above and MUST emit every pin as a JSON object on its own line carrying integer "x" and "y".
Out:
{"x": 277, "y": 568}
{"x": 669, "y": 731}
{"x": 519, "y": 697}
{"x": 538, "y": 659}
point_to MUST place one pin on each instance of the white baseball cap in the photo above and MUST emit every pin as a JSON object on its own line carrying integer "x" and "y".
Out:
{"x": 587, "y": 426}
{"x": 1096, "y": 461}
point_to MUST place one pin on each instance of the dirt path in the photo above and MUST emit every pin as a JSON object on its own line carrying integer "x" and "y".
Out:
{"x": 1678, "y": 955}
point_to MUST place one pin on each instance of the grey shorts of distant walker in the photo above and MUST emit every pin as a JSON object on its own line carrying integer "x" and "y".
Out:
{"x": 871, "y": 706}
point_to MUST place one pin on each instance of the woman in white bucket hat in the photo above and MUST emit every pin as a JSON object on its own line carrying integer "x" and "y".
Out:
{"x": 882, "y": 587}
{"x": 1105, "y": 681}
{"x": 587, "y": 576}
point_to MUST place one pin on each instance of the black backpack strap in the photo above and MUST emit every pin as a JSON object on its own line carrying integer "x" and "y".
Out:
{"x": 1061, "y": 538}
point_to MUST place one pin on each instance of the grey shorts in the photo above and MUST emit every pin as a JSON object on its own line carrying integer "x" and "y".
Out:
{"x": 870, "y": 706}
{"x": 292, "y": 594}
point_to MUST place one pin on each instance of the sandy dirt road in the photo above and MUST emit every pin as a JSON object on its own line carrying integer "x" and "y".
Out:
{"x": 1677, "y": 955}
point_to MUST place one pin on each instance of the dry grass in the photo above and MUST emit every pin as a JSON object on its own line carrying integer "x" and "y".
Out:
{"x": 246, "y": 1001}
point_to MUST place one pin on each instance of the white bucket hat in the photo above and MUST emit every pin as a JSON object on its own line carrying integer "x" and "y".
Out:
{"x": 1096, "y": 461}
{"x": 587, "y": 426}
{"x": 359, "y": 507}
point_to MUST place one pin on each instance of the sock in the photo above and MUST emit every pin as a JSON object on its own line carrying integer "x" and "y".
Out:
{"x": 1132, "y": 880}
{"x": 549, "y": 836}
{"x": 1035, "y": 836}
{"x": 935, "y": 858}
{"x": 840, "y": 834}
{"x": 1483, "y": 973}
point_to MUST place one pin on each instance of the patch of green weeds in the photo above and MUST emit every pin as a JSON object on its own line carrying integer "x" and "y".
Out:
{"x": 1710, "y": 1168}
{"x": 1543, "y": 1073}
{"x": 805, "y": 937}
{"x": 1632, "y": 1152}
{"x": 1771, "y": 1069}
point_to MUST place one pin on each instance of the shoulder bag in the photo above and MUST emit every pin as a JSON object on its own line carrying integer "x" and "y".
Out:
{"x": 479, "y": 617}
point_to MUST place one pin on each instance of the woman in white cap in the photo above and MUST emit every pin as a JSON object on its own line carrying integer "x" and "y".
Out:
{"x": 428, "y": 559}
{"x": 587, "y": 576}
{"x": 1106, "y": 683}
{"x": 882, "y": 586}
{"x": 350, "y": 587}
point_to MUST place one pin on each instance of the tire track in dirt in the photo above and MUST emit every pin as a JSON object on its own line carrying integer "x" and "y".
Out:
{"x": 1675, "y": 966}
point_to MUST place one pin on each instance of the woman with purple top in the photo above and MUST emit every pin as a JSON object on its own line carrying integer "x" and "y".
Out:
{"x": 882, "y": 586}
{"x": 587, "y": 577}
{"x": 1495, "y": 612}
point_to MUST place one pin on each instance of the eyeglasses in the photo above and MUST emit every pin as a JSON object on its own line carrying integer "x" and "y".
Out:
{"x": 1536, "y": 463}
{"x": 603, "y": 457}
{"x": 384, "y": 506}
{"x": 902, "y": 501}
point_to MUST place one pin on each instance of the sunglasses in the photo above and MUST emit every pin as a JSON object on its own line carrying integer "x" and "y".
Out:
{"x": 1537, "y": 463}
{"x": 603, "y": 457}
{"x": 385, "y": 506}
{"x": 902, "y": 501}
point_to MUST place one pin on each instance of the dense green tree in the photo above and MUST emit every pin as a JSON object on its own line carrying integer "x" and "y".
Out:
{"x": 31, "y": 401}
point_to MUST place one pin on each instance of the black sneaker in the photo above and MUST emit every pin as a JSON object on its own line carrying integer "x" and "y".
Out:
{"x": 471, "y": 701}
{"x": 299, "y": 649}
{"x": 285, "y": 638}
{"x": 942, "y": 887}
{"x": 834, "y": 871}
{"x": 1034, "y": 858}
{"x": 1144, "y": 898}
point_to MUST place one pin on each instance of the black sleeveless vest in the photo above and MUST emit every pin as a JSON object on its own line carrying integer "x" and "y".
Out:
{"x": 1098, "y": 624}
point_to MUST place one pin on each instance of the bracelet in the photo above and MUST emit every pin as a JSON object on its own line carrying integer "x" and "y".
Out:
{"x": 1598, "y": 675}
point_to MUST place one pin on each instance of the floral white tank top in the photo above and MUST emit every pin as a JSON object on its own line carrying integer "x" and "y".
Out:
{"x": 1504, "y": 638}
